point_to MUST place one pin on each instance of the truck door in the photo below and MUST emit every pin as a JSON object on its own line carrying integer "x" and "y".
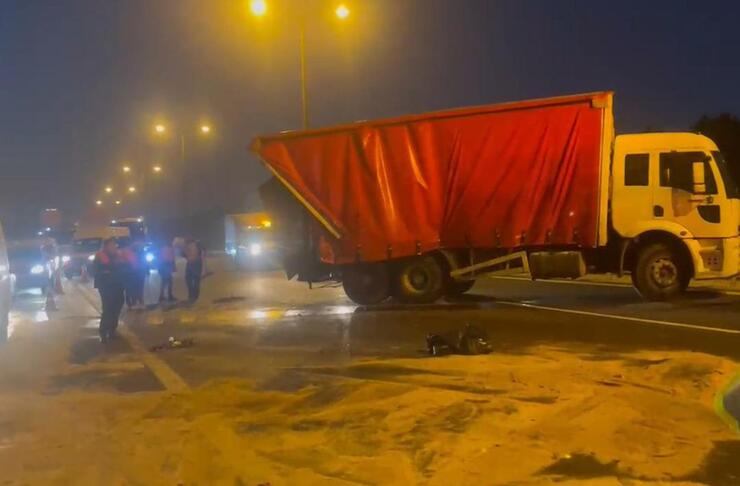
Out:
{"x": 632, "y": 201}
{"x": 674, "y": 200}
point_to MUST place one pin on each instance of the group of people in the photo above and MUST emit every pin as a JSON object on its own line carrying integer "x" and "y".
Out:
{"x": 120, "y": 277}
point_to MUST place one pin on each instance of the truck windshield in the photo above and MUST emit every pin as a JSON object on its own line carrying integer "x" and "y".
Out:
{"x": 724, "y": 170}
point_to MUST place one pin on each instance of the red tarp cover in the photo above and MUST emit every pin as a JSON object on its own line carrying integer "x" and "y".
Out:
{"x": 496, "y": 176}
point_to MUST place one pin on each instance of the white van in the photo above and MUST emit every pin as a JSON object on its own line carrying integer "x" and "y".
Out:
{"x": 6, "y": 287}
{"x": 87, "y": 241}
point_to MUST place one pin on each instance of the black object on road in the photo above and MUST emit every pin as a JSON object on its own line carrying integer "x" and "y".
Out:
{"x": 470, "y": 340}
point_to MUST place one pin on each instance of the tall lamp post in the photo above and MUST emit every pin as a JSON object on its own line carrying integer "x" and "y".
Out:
{"x": 259, "y": 8}
{"x": 161, "y": 130}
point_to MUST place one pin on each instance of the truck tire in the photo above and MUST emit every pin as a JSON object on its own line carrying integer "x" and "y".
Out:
{"x": 458, "y": 287}
{"x": 367, "y": 284}
{"x": 660, "y": 273}
{"x": 419, "y": 280}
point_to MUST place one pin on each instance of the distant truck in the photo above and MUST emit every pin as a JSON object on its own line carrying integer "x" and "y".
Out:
{"x": 136, "y": 226}
{"x": 419, "y": 206}
{"x": 249, "y": 239}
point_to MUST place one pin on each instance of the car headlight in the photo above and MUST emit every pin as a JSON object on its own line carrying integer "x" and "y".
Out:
{"x": 37, "y": 269}
{"x": 91, "y": 257}
{"x": 65, "y": 258}
{"x": 149, "y": 257}
{"x": 255, "y": 249}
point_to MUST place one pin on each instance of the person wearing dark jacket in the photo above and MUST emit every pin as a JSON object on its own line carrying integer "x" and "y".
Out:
{"x": 194, "y": 268}
{"x": 166, "y": 269}
{"x": 110, "y": 275}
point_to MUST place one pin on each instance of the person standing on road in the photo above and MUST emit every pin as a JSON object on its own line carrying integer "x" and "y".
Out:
{"x": 129, "y": 262}
{"x": 166, "y": 268}
{"x": 109, "y": 280}
{"x": 195, "y": 257}
{"x": 141, "y": 270}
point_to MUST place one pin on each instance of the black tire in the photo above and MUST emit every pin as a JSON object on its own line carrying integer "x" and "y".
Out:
{"x": 458, "y": 287}
{"x": 367, "y": 284}
{"x": 419, "y": 280}
{"x": 661, "y": 273}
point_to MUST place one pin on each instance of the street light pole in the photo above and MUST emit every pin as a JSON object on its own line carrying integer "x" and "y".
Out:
{"x": 304, "y": 87}
{"x": 184, "y": 170}
{"x": 259, "y": 8}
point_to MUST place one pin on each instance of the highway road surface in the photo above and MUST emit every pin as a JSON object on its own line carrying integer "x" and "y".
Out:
{"x": 275, "y": 383}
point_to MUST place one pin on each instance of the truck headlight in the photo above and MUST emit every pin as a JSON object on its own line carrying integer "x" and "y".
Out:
{"x": 149, "y": 257}
{"x": 91, "y": 257}
{"x": 37, "y": 269}
{"x": 65, "y": 259}
{"x": 255, "y": 249}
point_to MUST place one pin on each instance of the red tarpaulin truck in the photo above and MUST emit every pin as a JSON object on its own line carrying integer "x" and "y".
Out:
{"x": 418, "y": 206}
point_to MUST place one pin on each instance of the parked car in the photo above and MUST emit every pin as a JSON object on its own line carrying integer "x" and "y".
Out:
{"x": 33, "y": 263}
{"x": 6, "y": 287}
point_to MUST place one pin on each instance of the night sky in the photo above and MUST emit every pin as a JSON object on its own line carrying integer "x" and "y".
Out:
{"x": 83, "y": 81}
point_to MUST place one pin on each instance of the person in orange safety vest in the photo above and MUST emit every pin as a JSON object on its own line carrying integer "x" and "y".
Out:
{"x": 110, "y": 275}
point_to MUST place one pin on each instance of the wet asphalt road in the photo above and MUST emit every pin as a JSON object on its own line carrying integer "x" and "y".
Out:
{"x": 282, "y": 336}
{"x": 259, "y": 326}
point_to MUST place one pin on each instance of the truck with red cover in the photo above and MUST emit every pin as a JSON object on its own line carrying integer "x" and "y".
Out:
{"x": 417, "y": 207}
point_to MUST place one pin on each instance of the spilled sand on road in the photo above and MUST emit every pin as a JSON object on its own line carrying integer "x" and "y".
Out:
{"x": 533, "y": 418}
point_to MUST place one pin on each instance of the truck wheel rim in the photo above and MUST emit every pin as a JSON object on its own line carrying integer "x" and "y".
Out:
{"x": 419, "y": 279}
{"x": 664, "y": 272}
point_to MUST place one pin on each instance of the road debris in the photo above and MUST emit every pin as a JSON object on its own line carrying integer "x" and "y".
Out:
{"x": 173, "y": 343}
{"x": 470, "y": 340}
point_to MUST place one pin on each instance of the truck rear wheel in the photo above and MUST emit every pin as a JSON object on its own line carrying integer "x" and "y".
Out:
{"x": 458, "y": 287}
{"x": 660, "y": 273}
{"x": 419, "y": 280}
{"x": 367, "y": 284}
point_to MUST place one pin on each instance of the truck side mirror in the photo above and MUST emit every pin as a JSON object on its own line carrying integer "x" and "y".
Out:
{"x": 698, "y": 178}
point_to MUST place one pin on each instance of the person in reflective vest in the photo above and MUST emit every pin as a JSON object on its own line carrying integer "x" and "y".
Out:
{"x": 129, "y": 260}
{"x": 195, "y": 256}
{"x": 109, "y": 280}
{"x": 166, "y": 268}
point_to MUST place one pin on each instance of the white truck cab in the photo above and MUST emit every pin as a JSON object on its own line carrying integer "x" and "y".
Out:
{"x": 677, "y": 210}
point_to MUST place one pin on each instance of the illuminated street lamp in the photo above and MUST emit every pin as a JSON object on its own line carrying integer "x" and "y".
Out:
{"x": 204, "y": 130}
{"x": 131, "y": 189}
{"x": 118, "y": 203}
{"x": 342, "y": 11}
{"x": 108, "y": 189}
{"x": 98, "y": 202}
{"x": 159, "y": 128}
{"x": 127, "y": 168}
{"x": 259, "y": 9}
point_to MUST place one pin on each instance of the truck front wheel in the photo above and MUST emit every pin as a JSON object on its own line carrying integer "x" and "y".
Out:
{"x": 367, "y": 284}
{"x": 660, "y": 273}
{"x": 419, "y": 280}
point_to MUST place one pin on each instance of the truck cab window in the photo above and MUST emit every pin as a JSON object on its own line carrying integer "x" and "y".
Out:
{"x": 676, "y": 171}
{"x": 724, "y": 172}
{"x": 636, "y": 169}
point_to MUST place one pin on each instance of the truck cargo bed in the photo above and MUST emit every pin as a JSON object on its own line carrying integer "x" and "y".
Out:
{"x": 499, "y": 176}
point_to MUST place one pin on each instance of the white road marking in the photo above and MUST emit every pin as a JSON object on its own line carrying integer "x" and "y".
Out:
{"x": 169, "y": 379}
{"x": 553, "y": 281}
{"x": 597, "y": 284}
{"x": 625, "y": 318}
